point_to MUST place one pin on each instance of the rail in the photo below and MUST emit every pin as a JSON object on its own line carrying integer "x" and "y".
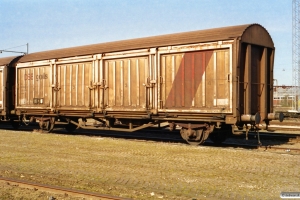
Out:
{"x": 58, "y": 190}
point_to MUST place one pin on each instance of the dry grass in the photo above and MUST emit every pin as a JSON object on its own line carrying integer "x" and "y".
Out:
{"x": 146, "y": 170}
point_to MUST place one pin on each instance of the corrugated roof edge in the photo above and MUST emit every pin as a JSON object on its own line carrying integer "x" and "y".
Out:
{"x": 7, "y": 60}
{"x": 207, "y": 35}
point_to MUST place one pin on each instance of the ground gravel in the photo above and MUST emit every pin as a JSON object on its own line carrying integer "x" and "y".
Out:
{"x": 142, "y": 169}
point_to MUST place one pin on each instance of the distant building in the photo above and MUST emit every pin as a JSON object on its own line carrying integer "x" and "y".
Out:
{"x": 283, "y": 98}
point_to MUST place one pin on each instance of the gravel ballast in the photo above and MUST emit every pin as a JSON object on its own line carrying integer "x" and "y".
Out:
{"x": 143, "y": 169}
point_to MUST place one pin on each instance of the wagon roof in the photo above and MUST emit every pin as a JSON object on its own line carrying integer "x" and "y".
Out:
{"x": 249, "y": 33}
{"x": 7, "y": 60}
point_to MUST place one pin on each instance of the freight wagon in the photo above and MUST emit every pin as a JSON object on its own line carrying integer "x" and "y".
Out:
{"x": 201, "y": 81}
{"x": 7, "y": 89}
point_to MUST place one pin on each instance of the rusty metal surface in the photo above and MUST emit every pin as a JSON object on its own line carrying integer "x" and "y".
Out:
{"x": 213, "y": 76}
{"x": 59, "y": 190}
{"x": 127, "y": 80}
{"x": 253, "y": 33}
{"x": 7, "y": 82}
{"x": 197, "y": 81}
{"x": 255, "y": 80}
{"x": 34, "y": 87}
{"x": 74, "y": 85}
{"x": 258, "y": 36}
{"x": 2, "y": 87}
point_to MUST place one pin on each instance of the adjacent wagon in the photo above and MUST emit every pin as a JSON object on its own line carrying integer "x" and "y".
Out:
{"x": 7, "y": 88}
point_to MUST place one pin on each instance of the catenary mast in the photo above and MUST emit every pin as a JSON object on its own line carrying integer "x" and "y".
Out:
{"x": 296, "y": 52}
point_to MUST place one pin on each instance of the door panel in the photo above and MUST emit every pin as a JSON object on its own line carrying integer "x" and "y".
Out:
{"x": 76, "y": 86}
{"x": 196, "y": 81}
{"x": 126, "y": 80}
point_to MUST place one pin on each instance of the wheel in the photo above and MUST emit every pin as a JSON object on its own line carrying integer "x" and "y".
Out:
{"x": 194, "y": 137}
{"x": 47, "y": 125}
{"x": 218, "y": 136}
{"x": 70, "y": 127}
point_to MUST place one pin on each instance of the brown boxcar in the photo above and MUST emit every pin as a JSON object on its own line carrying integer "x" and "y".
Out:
{"x": 202, "y": 81}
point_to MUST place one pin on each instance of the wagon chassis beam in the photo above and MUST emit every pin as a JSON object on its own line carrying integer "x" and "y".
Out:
{"x": 189, "y": 119}
{"x": 105, "y": 128}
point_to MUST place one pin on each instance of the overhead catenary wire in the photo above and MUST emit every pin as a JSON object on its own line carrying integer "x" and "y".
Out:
{"x": 7, "y": 49}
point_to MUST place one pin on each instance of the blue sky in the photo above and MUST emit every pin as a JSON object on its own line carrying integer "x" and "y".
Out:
{"x": 53, "y": 24}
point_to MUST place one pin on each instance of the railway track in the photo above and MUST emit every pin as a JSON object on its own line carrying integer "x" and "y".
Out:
{"x": 235, "y": 141}
{"x": 270, "y": 148}
{"x": 284, "y": 137}
{"x": 266, "y": 134}
{"x": 58, "y": 190}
